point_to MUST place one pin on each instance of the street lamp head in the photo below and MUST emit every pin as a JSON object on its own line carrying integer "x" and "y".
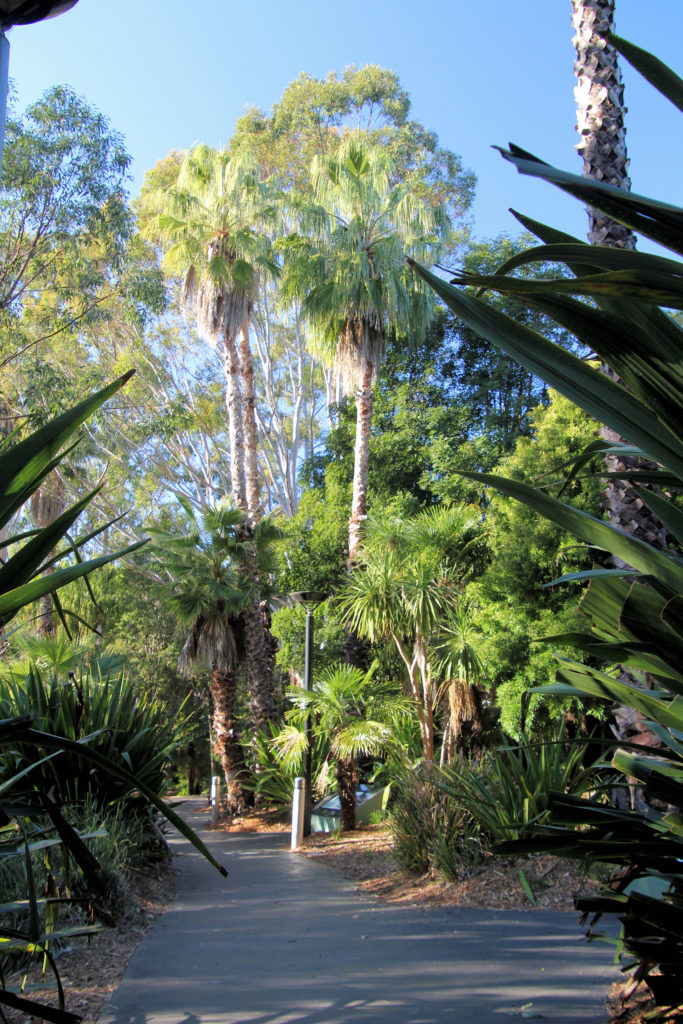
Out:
{"x": 308, "y": 597}
{"x": 24, "y": 12}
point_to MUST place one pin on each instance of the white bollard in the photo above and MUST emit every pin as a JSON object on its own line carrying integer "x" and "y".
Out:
{"x": 298, "y": 808}
{"x": 215, "y": 799}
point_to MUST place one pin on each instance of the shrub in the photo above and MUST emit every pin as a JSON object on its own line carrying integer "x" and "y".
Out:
{"x": 431, "y": 830}
{"x": 510, "y": 789}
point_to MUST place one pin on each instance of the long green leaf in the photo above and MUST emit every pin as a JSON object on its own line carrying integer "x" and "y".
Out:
{"x": 591, "y": 390}
{"x": 635, "y": 552}
{"x": 20, "y": 567}
{"x": 662, "y": 222}
{"x": 24, "y": 462}
{"x": 107, "y": 765}
{"x": 652, "y": 68}
{"x": 599, "y": 684}
{"x": 13, "y": 600}
{"x": 647, "y": 285}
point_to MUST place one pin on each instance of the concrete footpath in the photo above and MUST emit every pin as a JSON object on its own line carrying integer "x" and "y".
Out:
{"x": 283, "y": 939}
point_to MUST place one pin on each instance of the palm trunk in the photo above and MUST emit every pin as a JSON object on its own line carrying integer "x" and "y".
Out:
{"x": 464, "y": 708}
{"x": 233, "y": 401}
{"x": 422, "y": 661}
{"x": 600, "y": 109}
{"x": 600, "y": 120}
{"x": 227, "y": 747}
{"x": 246, "y": 362}
{"x": 347, "y": 777}
{"x": 359, "y": 501}
{"x": 258, "y": 644}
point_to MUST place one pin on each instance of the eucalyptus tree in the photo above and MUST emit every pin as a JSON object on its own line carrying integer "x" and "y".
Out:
{"x": 64, "y": 217}
{"x": 406, "y": 588}
{"x": 354, "y": 281}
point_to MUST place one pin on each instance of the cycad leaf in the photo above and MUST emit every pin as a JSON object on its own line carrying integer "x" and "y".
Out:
{"x": 661, "y": 222}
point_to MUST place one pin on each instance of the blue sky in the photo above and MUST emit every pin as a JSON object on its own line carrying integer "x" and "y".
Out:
{"x": 168, "y": 74}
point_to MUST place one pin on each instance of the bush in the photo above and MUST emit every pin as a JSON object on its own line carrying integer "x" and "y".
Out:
{"x": 124, "y": 727}
{"x": 431, "y": 830}
{"x": 510, "y": 789}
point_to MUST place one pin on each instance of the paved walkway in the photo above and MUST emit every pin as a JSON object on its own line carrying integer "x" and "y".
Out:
{"x": 283, "y": 939}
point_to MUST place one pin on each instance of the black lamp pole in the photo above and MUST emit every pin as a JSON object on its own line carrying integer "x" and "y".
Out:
{"x": 21, "y": 12}
{"x": 308, "y": 598}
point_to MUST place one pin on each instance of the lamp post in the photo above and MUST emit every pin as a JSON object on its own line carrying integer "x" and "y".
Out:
{"x": 308, "y": 598}
{"x": 21, "y": 12}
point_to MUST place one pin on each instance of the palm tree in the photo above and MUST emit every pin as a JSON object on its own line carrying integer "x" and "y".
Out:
{"x": 209, "y": 593}
{"x": 460, "y": 666}
{"x": 406, "y": 587}
{"x": 354, "y": 283}
{"x": 356, "y": 712}
{"x": 600, "y": 111}
{"x": 207, "y": 224}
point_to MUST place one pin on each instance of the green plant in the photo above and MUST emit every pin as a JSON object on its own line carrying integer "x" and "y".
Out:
{"x": 30, "y": 816}
{"x": 272, "y": 781}
{"x": 355, "y": 712}
{"x": 636, "y": 609}
{"x": 123, "y": 726}
{"x": 509, "y": 791}
{"x": 430, "y": 829}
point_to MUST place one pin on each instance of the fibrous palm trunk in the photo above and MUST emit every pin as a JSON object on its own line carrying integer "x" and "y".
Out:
{"x": 600, "y": 111}
{"x": 600, "y": 121}
{"x": 359, "y": 501}
{"x": 347, "y": 778}
{"x": 365, "y": 342}
{"x": 246, "y": 362}
{"x": 239, "y": 376}
{"x": 464, "y": 710}
{"x": 47, "y": 504}
{"x": 227, "y": 747}
{"x": 233, "y": 401}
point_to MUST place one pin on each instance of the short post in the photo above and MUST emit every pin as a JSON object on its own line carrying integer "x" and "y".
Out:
{"x": 215, "y": 799}
{"x": 298, "y": 812}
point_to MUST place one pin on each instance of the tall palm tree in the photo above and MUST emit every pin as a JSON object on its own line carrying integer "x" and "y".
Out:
{"x": 209, "y": 593}
{"x": 208, "y": 227}
{"x": 207, "y": 224}
{"x": 600, "y": 111}
{"x": 355, "y": 283}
